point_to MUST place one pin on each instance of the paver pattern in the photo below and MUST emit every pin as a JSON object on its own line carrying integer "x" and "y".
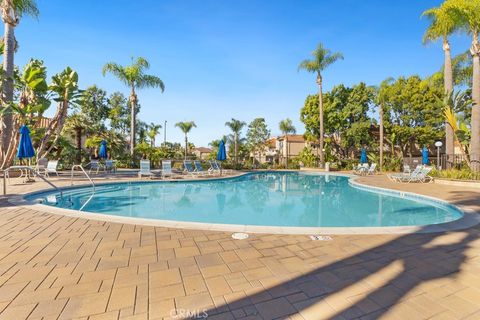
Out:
{"x": 59, "y": 267}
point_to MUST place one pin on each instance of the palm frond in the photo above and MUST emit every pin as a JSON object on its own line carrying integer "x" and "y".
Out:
{"x": 150, "y": 81}
{"x": 25, "y": 7}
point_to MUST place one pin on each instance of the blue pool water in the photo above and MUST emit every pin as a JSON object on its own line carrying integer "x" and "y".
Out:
{"x": 266, "y": 199}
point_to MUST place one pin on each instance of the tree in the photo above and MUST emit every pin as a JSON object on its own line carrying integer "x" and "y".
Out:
{"x": 93, "y": 104}
{"x": 135, "y": 78}
{"x": 153, "y": 131}
{"x": 257, "y": 135}
{"x": 346, "y": 120}
{"x": 443, "y": 22}
{"x": 118, "y": 112}
{"x": 236, "y": 126}
{"x": 412, "y": 112}
{"x": 77, "y": 124}
{"x": 186, "y": 127}
{"x": 322, "y": 58}
{"x": 64, "y": 87}
{"x": 286, "y": 127}
{"x": 12, "y": 12}
{"x": 468, "y": 12}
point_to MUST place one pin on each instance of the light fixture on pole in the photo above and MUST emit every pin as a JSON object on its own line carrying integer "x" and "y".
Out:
{"x": 438, "y": 144}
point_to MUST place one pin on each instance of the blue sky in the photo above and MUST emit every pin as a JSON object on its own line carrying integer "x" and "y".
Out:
{"x": 228, "y": 59}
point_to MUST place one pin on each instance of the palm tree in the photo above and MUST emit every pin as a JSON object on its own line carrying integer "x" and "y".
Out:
{"x": 135, "y": 78}
{"x": 236, "y": 126}
{"x": 153, "y": 131}
{"x": 186, "y": 127}
{"x": 322, "y": 58}
{"x": 381, "y": 109}
{"x": 443, "y": 22}
{"x": 286, "y": 126}
{"x": 12, "y": 12}
{"x": 469, "y": 13}
{"x": 76, "y": 125}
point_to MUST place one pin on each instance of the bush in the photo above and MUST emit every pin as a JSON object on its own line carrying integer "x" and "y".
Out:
{"x": 456, "y": 174}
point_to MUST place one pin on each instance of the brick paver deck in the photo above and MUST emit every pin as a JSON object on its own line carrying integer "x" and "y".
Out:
{"x": 58, "y": 267}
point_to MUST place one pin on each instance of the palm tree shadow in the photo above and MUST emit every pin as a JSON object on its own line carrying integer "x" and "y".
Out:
{"x": 416, "y": 259}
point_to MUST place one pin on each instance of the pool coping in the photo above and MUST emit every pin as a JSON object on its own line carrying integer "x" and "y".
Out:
{"x": 469, "y": 219}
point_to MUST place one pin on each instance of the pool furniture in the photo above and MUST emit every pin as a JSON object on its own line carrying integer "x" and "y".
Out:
{"x": 218, "y": 167}
{"x": 110, "y": 166}
{"x": 199, "y": 167}
{"x": 94, "y": 166}
{"x": 406, "y": 169}
{"x": 214, "y": 169}
{"x": 51, "y": 168}
{"x": 420, "y": 174}
{"x": 41, "y": 166}
{"x": 167, "y": 168}
{"x": 361, "y": 169}
{"x": 396, "y": 177}
{"x": 190, "y": 170}
{"x": 371, "y": 170}
{"x": 145, "y": 169}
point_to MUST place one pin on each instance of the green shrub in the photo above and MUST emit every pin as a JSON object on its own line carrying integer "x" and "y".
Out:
{"x": 456, "y": 174}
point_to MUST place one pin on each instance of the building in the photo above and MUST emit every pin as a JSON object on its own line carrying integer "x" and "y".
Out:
{"x": 276, "y": 148}
{"x": 202, "y": 153}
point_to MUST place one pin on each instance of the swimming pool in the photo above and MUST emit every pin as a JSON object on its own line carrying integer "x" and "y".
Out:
{"x": 284, "y": 199}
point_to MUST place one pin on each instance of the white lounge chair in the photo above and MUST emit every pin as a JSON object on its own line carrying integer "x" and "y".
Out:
{"x": 199, "y": 168}
{"x": 214, "y": 169}
{"x": 371, "y": 170}
{"x": 361, "y": 168}
{"x": 41, "y": 166}
{"x": 94, "y": 165}
{"x": 422, "y": 176}
{"x": 51, "y": 168}
{"x": 145, "y": 169}
{"x": 190, "y": 170}
{"x": 218, "y": 167}
{"x": 110, "y": 166}
{"x": 167, "y": 168}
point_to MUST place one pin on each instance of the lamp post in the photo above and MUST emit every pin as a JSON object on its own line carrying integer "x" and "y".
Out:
{"x": 165, "y": 134}
{"x": 438, "y": 144}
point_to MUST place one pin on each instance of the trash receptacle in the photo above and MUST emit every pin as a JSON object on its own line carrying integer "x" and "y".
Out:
{"x": 327, "y": 166}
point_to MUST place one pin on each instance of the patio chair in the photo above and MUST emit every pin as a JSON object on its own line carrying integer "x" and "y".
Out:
{"x": 145, "y": 169}
{"x": 41, "y": 166}
{"x": 406, "y": 169}
{"x": 371, "y": 170}
{"x": 214, "y": 169}
{"x": 361, "y": 168}
{"x": 110, "y": 166}
{"x": 190, "y": 170}
{"x": 94, "y": 165}
{"x": 219, "y": 168}
{"x": 422, "y": 176}
{"x": 167, "y": 168}
{"x": 397, "y": 177}
{"x": 199, "y": 168}
{"x": 51, "y": 168}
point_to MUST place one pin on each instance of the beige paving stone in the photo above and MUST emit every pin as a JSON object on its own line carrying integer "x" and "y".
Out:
{"x": 194, "y": 284}
{"x": 85, "y": 305}
{"x": 111, "y": 315}
{"x": 185, "y": 252}
{"x": 218, "y": 286}
{"x": 165, "y": 277}
{"x": 121, "y": 298}
{"x": 17, "y": 312}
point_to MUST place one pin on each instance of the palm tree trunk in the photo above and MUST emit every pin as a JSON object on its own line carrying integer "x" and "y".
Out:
{"x": 235, "y": 136}
{"x": 186, "y": 146}
{"x": 320, "y": 112}
{"x": 133, "y": 122}
{"x": 475, "y": 142}
{"x": 448, "y": 84}
{"x": 79, "y": 144}
{"x": 381, "y": 135}
{"x": 8, "y": 66}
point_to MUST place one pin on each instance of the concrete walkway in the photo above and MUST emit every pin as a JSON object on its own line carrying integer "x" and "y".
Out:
{"x": 58, "y": 267}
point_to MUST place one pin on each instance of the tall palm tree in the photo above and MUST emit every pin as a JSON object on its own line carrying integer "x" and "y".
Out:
{"x": 236, "y": 126}
{"x": 469, "y": 13}
{"x": 381, "y": 110}
{"x": 153, "y": 131}
{"x": 322, "y": 58}
{"x": 186, "y": 127}
{"x": 286, "y": 126}
{"x": 443, "y": 22}
{"x": 135, "y": 78}
{"x": 12, "y": 12}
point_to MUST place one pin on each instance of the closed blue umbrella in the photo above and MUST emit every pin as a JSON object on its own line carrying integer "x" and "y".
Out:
{"x": 103, "y": 150}
{"x": 363, "y": 156}
{"x": 222, "y": 153}
{"x": 25, "y": 147}
{"x": 424, "y": 155}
